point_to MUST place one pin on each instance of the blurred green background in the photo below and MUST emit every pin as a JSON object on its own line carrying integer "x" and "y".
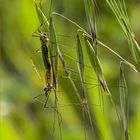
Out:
{"x": 23, "y": 118}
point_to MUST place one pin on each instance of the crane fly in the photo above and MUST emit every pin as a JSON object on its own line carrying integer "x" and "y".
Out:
{"x": 50, "y": 84}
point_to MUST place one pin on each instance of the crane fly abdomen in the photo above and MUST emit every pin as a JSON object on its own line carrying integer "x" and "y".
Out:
{"x": 45, "y": 56}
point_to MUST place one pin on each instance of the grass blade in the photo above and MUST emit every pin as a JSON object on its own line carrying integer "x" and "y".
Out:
{"x": 124, "y": 102}
{"x": 80, "y": 63}
{"x": 90, "y": 13}
{"x": 96, "y": 65}
{"x": 53, "y": 51}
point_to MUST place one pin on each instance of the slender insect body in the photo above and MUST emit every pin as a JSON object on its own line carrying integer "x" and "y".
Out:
{"x": 47, "y": 64}
{"x": 45, "y": 54}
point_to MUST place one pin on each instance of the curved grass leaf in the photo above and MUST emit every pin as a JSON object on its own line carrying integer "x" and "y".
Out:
{"x": 53, "y": 51}
{"x": 124, "y": 102}
{"x": 90, "y": 13}
{"x": 80, "y": 58}
{"x": 95, "y": 62}
{"x": 86, "y": 109}
{"x": 120, "y": 57}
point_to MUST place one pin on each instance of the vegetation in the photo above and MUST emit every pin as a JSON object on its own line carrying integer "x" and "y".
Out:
{"x": 91, "y": 90}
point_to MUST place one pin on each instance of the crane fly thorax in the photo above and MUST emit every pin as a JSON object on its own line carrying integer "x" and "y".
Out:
{"x": 44, "y": 37}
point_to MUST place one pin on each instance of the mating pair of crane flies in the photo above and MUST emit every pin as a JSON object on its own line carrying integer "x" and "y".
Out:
{"x": 47, "y": 63}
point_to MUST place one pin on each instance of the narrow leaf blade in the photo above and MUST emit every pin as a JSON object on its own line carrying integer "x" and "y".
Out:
{"x": 95, "y": 62}
{"x": 80, "y": 64}
{"x": 53, "y": 51}
{"x": 124, "y": 102}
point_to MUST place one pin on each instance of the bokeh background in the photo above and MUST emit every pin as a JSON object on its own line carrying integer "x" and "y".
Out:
{"x": 22, "y": 117}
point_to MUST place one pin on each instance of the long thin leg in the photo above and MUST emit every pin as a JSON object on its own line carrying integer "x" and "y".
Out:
{"x": 54, "y": 113}
{"x": 42, "y": 94}
{"x": 47, "y": 97}
{"x": 54, "y": 120}
{"x": 63, "y": 62}
{"x": 58, "y": 116}
{"x": 35, "y": 33}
